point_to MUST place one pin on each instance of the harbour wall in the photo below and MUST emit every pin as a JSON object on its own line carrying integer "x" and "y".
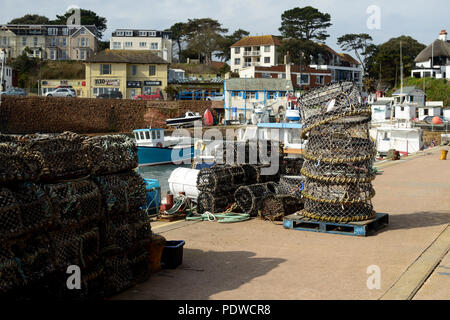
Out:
{"x": 23, "y": 115}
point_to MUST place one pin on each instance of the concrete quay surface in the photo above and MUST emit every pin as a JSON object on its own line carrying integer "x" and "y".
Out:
{"x": 260, "y": 260}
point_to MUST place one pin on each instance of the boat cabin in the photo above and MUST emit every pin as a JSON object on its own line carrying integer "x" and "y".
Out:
{"x": 149, "y": 137}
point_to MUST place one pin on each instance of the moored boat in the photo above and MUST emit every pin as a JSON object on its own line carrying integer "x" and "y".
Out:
{"x": 187, "y": 119}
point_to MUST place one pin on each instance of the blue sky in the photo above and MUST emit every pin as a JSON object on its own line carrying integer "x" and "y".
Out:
{"x": 421, "y": 20}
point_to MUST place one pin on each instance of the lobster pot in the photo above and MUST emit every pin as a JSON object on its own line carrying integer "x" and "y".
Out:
{"x": 292, "y": 166}
{"x": 292, "y": 185}
{"x": 249, "y": 198}
{"x": 209, "y": 202}
{"x": 238, "y": 175}
{"x": 339, "y": 155}
{"x": 92, "y": 285}
{"x": 119, "y": 232}
{"x": 11, "y": 278}
{"x": 35, "y": 256}
{"x": 261, "y": 177}
{"x": 139, "y": 259}
{"x": 141, "y": 228}
{"x": 275, "y": 207}
{"x": 117, "y": 273}
{"x": 75, "y": 202}
{"x": 19, "y": 164}
{"x": 214, "y": 180}
{"x": 122, "y": 193}
{"x": 63, "y": 157}
{"x": 65, "y": 248}
{"x": 10, "y": 215}
{"x": 248, "y": 152}
{"x": 111, "y": 154}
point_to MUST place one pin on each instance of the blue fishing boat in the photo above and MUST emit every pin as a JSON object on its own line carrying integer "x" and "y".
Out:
{"x": 154, "y": 149}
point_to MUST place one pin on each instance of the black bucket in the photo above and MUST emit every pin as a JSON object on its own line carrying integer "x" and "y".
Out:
{"x": 172, "y": 255}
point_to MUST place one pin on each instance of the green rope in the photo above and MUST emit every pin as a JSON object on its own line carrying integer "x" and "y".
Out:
{"x": 229, "y": 217}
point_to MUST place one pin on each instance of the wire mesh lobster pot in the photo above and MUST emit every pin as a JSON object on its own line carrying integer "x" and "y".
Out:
{"x": 249, "y": 152}
{"x": 292, "y": 185}
{"x": 210, "y": 202}
{"x": 63, "y": 157}
{"x": 117, "y": 273}
{"x": 275, "y": 207}
{"x": 122, "y": 193}
{"x": 261, "y": 177}
{"x": 92, "y": 284}
{"x": 215, "y": 179}
{"x": 111, "y": 154}
{"x": 119, "y": 233}
{"x": 19, "y": 164}
{"x": 249, "y": 198}
{"x": 10, "y": 214}
{"x": 10, "y": 269}
{"x": 140, "y": 224}
{"x": 292, "y": 166}
{"x": 139, "y": 259}
{"x": 34, "y": 255}
{"x": 75, "y": 202}
{"x": 339, "y": 155}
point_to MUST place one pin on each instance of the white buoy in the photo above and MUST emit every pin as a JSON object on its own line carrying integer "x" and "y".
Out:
{"x": 184, "y": 180}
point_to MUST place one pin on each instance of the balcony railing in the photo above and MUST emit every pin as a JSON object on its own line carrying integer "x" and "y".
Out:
{"x": 251, "y": 64}
{"x": 252, "y": 53}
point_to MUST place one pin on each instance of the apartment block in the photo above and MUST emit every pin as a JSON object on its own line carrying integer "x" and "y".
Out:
{"x": 157, "y": 42}
{"x": 50, "y": 42}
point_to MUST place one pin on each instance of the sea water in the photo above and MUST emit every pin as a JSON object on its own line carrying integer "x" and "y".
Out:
{"x": 161, "y": 173}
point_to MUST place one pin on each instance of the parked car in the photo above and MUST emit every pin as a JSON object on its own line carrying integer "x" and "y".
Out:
{"x": 156, "y": 96}
{"x": 429, "y": 119}
{"x": 14, "y": 92}
{"x": 110, "y": 95}
{"x": 62, "y": 92}
{"x": 220, "y": 97}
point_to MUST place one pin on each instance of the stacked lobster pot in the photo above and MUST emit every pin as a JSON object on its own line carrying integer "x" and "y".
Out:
{"x": 58, "y": 202}
{"x": 218, "y": 184}
{"x": 339, "y": 155}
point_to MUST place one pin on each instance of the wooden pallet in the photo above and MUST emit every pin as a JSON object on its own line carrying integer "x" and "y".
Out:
{"x": 362, "y": 228}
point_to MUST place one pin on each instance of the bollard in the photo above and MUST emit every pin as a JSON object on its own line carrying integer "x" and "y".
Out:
{"x": 444, "y": 154}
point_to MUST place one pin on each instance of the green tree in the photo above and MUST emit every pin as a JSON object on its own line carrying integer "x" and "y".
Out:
{"x": 357, "y": 43}
{"x": 203, "y": 37}
{"x": 301, "y": 51}
{"x": 88, "y": 17}
{"x": 305, "y": 23}
{"x": 30, "y": 19}
{"x": 387, "y": 58}
{"x": 178, "y": 36}
{"x": 225, "y": 43}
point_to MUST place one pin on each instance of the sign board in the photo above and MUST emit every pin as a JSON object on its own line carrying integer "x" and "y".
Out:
{"x": 107, "y": 82}
{"x": 133, "y": 84}
{"x": 152, "y": 83}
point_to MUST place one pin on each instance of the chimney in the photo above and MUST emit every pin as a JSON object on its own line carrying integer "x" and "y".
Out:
{"x": 287, "y": 62}
{"x": 443, "y": 35}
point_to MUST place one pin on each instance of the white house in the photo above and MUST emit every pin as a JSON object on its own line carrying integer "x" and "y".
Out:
{"x": 343, "y": 66}
{"x": 243, "y": 96}
{"x": 431, "y": 108}
{"x": 159, "y": 42}
{"x": 446, "y": 112}
{"x": 176, "y": 75}
{"x": 382, "y": 109}
{"x": 254, "y": 51}
{"x": 434, "y": 60}
{"x": 404, "y": 140}
{"x": 7, "y": 78}
{"x": 406, "y": 102}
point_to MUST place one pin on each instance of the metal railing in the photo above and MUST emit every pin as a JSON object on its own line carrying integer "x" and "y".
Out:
{"x": 252, "y": 53}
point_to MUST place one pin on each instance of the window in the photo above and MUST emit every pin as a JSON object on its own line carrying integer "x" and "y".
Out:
{"x": 117, "y": 45}
{"x": 52, "y": 54}
{"x": 319, "y": 79}
{"x": 82, "y": 31}
{"x": 35, "y": 41}
{"x": 119, "y": 33}
{"x": 402, "y": 108}
{"x": 266, "y": 48}
{"x": 129, "y": 33}
{"x": 282, "y": 75}
{"x": 271, "y": 95}
{"x": 153, "y": 135}
{"x": 147, "y": 135}
{"x": 128, "y": 44}
{"x": 83, "y": 42}
{"x": 237, "y": 50}
{"x": 304, "y": 79}
{"x": 64, "y": 42}
{"x": 152, "y": 70}
{"x": 105, "y": 69}
{"x": 237, "y": 61}
{"x": 82, "y": 55}
{"x": 52, "y": 31}
{"x": 24, "y": 41}
{"x": 158, "y": 134}
{"x": 65, "y": 31}
{"x": 425, "y": 112}
{"x": 64, "y": 55}
{"x": 133, "y": 70}
{"x": 154, "y": 46}
{"x": 142, "y": 44}
{"x": 142, "y": 33}
{"x": 53, "y": 41}
{"x": 265, "y": 75}
{"x": 266, "y": 59}
{"x": 151, "y": 33}
{"x": 142, "y": 135}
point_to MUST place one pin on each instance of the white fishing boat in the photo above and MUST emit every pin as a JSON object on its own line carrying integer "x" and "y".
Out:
{"x": 188, "y": 119}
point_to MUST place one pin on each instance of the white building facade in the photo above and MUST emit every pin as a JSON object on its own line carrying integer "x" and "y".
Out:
{"x": 158, "y": 42}
{"x": 254, "y": 51}
{"x": 7, "y": 78}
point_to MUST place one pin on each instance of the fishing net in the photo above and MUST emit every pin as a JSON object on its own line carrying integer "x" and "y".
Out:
{"x": 292, "y": 166}
{"x": 117, "y": 272}
{"x": 275, "y": 207}
{"x": 75, "y": 202}
{"x": 292, "y": 185}
{"x": 19, "y": 164}
{"x": 111, "y": 154}
{"x": 249, "y": 198}
{"x": 209, "y": 202}
{"x": 338, "y": 154}
{"x": 122, "y": 193}
{"x": 63, "y": 157}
